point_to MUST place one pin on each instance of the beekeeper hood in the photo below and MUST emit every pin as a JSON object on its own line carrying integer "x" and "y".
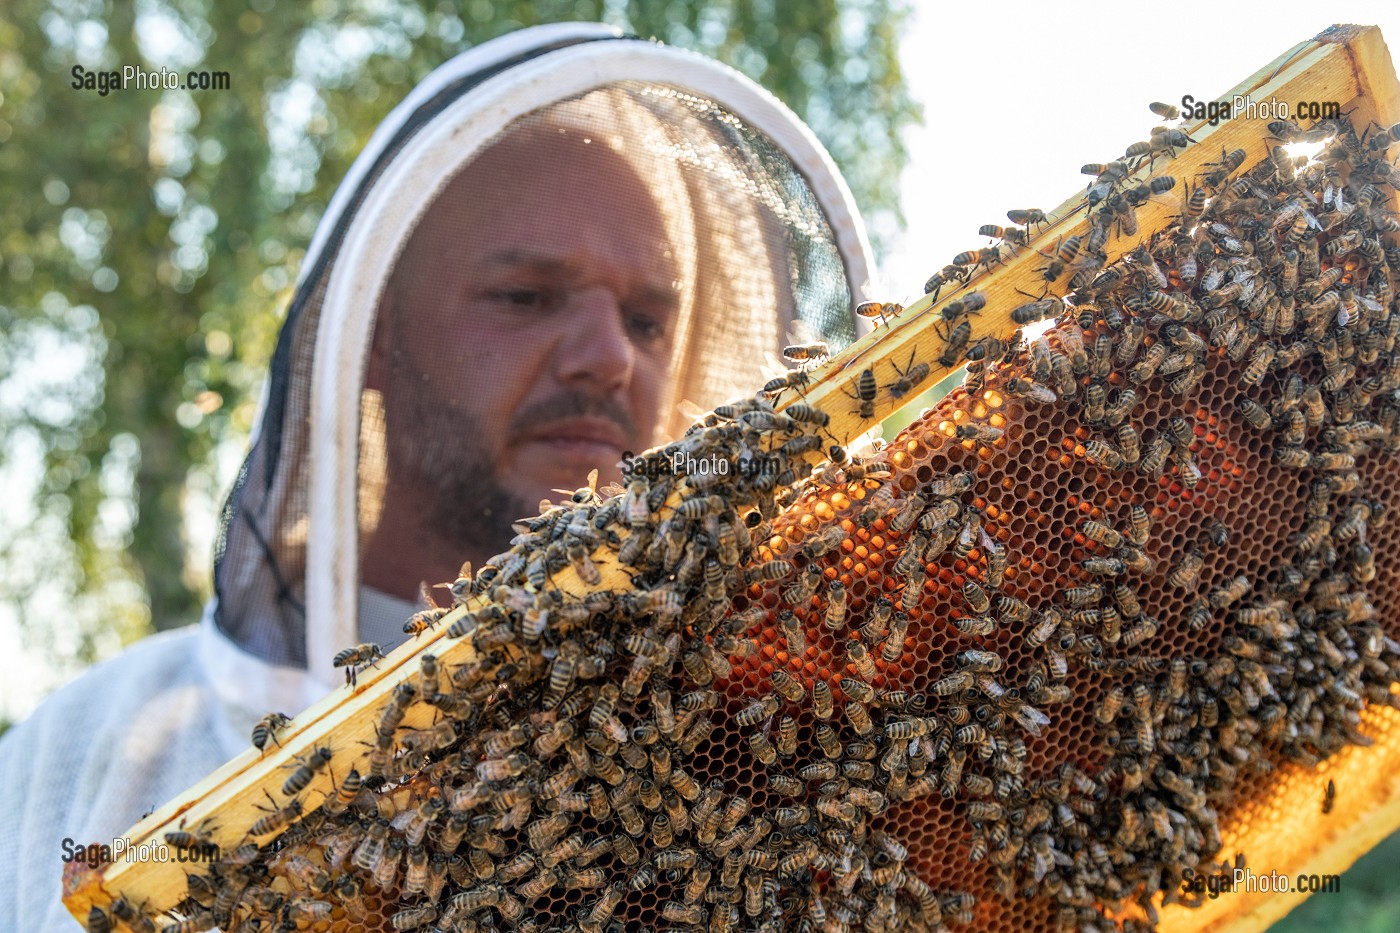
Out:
{"x": 553, "y": 243}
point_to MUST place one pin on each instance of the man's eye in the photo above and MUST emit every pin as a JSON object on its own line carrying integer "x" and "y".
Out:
{"x": 519, "y": 297}
{"x": 647, "y": 328}
{"x": 522, "y": 299}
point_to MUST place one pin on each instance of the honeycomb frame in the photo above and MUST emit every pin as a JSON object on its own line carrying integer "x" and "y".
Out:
{"x": 237, "y": 791}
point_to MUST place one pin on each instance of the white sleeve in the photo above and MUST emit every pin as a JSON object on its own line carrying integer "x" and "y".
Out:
{"x": 123, "y": 739}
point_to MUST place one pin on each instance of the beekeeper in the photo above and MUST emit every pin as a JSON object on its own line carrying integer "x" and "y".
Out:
{"x": 552, "y": 243}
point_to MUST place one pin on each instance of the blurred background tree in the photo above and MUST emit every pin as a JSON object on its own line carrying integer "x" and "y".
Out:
{"x": 150, "y": 240}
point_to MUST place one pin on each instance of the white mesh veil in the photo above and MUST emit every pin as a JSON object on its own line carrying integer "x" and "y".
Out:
{"x": 707, "y": 217}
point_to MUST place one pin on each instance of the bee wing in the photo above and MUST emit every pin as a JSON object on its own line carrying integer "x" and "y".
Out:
{"x": 690, "y": 410}
{"x": 801, "y": 332}
{"x": 772, "y": 366}
{"x": 425, "y": 595}
{"x": 868, "y": 444}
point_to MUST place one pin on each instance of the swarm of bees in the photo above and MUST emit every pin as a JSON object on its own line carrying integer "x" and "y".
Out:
{"x": 1019, "y": 664}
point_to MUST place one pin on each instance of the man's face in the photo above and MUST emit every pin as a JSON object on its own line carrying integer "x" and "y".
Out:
{"x": 529, "y": 332}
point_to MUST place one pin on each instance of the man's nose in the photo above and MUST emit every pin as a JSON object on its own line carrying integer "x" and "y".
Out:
{"x": 598, "y": 351}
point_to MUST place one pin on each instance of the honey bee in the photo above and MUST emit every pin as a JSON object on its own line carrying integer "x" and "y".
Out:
{"x": 182, "y": 838}
{"x": 1044, "y": 628}
{"x": 792, "y": 379}
{"x": 601, "y": 912}
{"x": 1144, "y": 629}
{"x": 866, "y": 389}
{"x": 977, "y": 661}
{"x": 949, "y": 273}
{"x": 1079, "y": 596}
{"x": 1139, "y": 526}
{"x": 123, "y": 910}
{"x": 978, "y": 258}
{"x": 98, "y": 921}
{"x": 1028, "y": 217}
{"x": 788, "y": 686}
{"x": 911, "y": 376}
{"x": 859, "y": 656}
{"x": 1199, "y": 616}
{"x": 893, "y": 647}
{"x": 859, "y": 718}
{"x": 583, "y": 564}
{"x": 200, "y": 921}
{"x": 1105, "y": 566}
{"x": 1187, "y": 570}
{"x": 976, "y": 626}
{"x": 769, "y": 570}
{"x": 503, "y": 769}
{"x": 884, "y": 310}
{"x": 968, "y": 537}
{"x": 807, "y": 353}
{"x": 273, "y": 822}
{"x": 756, "y": 712}
{"x": 1012, "y": 608}
{"x": 955, "y": 340}
{"x": 952, "y": 683}
{"x": 1232, "y": 592}
{"x": 424, "y": 619}
{"x": 1102, "y": 534}
{"x": 1021, "y": 387}
{"x": 267, "y": 728}
{"x": 980, "y": 433}
{"x": 951, "y": 777}
{"x": 1062, "y": 372}
{"x": 971, "y": 303}
{"x": 1105, "y": 455}
{"x": 356, "y": 658}
{"x": 538, "y": 885}
{"x": 976, "y": 597}
{"x": 803, "y": 589}
{"x": 477, "y": 897}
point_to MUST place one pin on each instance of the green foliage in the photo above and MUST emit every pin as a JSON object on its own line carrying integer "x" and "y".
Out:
{"x": 151, "y": 237}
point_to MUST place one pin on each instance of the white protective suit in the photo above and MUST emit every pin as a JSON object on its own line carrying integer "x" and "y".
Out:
{"x": 771, "y": 237}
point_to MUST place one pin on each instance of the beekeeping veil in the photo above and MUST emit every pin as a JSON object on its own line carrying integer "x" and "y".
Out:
{"x": 754, "y": 232}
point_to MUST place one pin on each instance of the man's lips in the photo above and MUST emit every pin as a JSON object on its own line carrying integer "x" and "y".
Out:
{"x": 579, "y": 434}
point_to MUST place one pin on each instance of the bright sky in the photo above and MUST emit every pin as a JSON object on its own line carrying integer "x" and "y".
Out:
{"x": 1017, "y": 96}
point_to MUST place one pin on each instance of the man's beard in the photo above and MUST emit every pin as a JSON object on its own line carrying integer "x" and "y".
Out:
{"x": 439, "y": 451}
{"x": 437, "y": 448}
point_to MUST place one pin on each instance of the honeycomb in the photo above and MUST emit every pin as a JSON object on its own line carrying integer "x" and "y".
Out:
{"x": 1070, "y": 637}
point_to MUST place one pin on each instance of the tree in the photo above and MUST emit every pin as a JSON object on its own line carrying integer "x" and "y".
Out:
{"x": 151, "y": 238}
